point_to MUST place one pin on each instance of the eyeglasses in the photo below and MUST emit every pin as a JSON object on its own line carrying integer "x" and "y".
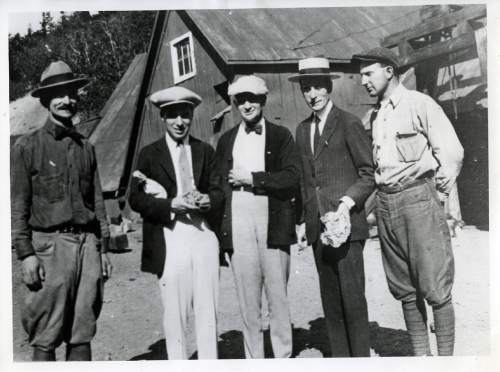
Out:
{"x": 240, "y": 99}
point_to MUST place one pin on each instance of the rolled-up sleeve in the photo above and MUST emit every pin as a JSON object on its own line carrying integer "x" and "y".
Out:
{"x": 445, "y": 144}
{"x": 21, "y": 200}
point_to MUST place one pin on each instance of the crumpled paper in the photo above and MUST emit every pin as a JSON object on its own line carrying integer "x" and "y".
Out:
{"x": 337, "y": 229}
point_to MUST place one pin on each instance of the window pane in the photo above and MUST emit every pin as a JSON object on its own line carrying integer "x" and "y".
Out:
{"x": 181, "y": 68}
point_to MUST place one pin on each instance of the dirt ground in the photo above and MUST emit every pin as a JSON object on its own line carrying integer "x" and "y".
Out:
{"x": 130, "y": 328}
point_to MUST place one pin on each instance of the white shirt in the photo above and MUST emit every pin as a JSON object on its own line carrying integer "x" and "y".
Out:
{"x": 322, "y": 115}
{"x": 249, "y": 149}
{"x": 175, "y": 152}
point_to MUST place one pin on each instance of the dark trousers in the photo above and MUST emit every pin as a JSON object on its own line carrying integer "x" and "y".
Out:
{"x": 342, "y": 286}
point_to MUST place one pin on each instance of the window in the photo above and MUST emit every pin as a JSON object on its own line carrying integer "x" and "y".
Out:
{"x": 183, "y": 65}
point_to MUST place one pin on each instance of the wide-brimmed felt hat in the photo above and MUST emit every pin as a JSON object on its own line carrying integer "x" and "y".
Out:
{"x": 313, "y": 67}
{"x": 378, "y": 54}
{"x": 57, "y": 75}
{"x": 248, "y": 84}
{"x": 173, "y": 96}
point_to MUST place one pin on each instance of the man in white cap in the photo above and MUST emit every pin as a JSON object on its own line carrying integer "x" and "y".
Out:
{"x": 258, "y": 165}
{"x": 178, "y": 243}
{"x": 337, "y": 176}
{"x": 59, "y": 225}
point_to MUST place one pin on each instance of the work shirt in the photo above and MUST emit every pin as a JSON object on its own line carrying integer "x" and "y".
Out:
{"x": 412, "y": 137}
{"x": 55, "y": 182}
{"x": 249, "y": 149}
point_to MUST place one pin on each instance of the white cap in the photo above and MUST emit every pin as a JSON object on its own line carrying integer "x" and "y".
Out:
{"x": 248, "y": 83}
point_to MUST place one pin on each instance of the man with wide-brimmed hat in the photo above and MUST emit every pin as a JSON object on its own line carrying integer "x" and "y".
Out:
{"x": 59, "y": 225}
{"x": 337, "y": 177}
{"x": 175, "y": 190}
{"x": 258, "y": 165}
{"x": 417, "y": 157}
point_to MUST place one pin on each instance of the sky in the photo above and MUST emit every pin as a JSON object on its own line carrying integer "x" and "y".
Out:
{"x": 19, "y": 22}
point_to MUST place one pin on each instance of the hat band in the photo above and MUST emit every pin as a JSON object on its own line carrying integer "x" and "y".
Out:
{"x": 317, "y": 70}
{"x": 57, "y": 79}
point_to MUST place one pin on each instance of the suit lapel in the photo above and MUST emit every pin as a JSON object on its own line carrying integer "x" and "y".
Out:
{"x": 307, "y": 135}
{"x": 197, "y": 158}
{"x": 230, "y": 145}
{"x": 330, "y": 125}
{"x": 165, "y": 159}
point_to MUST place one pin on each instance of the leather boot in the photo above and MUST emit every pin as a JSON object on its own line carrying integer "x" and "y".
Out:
{"x": 81, "y": 352}
{"x": 40, "y": 355}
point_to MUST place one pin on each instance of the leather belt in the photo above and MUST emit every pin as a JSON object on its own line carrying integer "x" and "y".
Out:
{"x": 246, "y": 188}
{"x": 72, "y": 229}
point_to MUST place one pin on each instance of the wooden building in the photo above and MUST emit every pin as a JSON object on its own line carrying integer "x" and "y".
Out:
{"x": 204, "y": 50}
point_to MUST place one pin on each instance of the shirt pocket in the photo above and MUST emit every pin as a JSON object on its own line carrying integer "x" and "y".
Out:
{"x": 410, "y": 146}
{"x": 50, "y": 187}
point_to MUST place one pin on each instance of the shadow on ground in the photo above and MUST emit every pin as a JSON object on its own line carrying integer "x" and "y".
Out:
{"x": 384, "y": 341}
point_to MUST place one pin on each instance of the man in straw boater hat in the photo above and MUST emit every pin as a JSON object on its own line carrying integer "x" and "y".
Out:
{"x": 174, "y": 190}
{"x": 258, "y": 166}
{"x": 337, "y": 177}
{"x": 59, "y": 226}
{"x": 417, "y": 157}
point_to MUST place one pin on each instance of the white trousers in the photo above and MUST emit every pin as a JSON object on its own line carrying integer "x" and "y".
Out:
{"x": 256, "y": 267}
{"x": 190, "y": 280}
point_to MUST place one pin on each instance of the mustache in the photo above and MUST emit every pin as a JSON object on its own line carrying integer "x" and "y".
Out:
{"x": 65, "y": 106}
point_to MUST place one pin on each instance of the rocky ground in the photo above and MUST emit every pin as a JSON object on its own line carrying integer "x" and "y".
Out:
{"x": 130, "y": 328}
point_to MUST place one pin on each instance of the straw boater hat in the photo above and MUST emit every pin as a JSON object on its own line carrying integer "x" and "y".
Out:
{"x": 248, "y": 84}
{"x": 58, "y": 74}
{"x": 173, "y": 96}
{"x": 310, "y": 67}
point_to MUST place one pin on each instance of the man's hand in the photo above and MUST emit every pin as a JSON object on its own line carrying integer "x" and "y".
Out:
{"x": 33, "y": 272}
{"x": 240, "y": 177}
{"x": 106, "y": 266}
{"x": 203, "y": 202}
{"x": 300, "y": 230}
{"x": 343, "y": 208}
{"x": 180, "y": 205}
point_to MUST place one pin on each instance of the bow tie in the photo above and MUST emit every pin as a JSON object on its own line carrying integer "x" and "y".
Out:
{"x": 71, "y": 132}
{"x": 257, "y": 128}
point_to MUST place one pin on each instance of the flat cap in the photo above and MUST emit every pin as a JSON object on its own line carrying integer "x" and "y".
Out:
{"x": 378, "y": 54}
{"x": 248, "y": 84}
{"x": 174, "y": 95}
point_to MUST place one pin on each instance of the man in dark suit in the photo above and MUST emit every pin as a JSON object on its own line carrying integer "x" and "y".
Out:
{"x": 337, "y": 176}
{"x": 174, "y": 192}
{"x": 258, "y": 165}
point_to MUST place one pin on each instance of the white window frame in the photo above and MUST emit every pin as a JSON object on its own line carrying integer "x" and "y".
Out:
{"x": 173, "y": 54}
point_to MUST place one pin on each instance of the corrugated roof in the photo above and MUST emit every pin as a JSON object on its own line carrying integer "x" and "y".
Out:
{"x": 111, "y": 138}
{"x": 263, "y": 35}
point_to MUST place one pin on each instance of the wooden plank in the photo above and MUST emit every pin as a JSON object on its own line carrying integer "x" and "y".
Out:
{"x": 438, "y": 49}
{"x": 481, "y": 42}
{"x": 436, "y": 24}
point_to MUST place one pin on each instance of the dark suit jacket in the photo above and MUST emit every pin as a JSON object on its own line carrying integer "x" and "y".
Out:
{"x": 342, "y": 165}
{"x": 155, "y": 162}
{"x": 279, "y": 181}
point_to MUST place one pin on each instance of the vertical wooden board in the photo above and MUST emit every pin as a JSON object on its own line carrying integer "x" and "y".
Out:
{"x": 481, "y": 45}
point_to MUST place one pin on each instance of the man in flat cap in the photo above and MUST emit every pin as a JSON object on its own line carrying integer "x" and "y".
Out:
{"x": 418, "y": 157}
{"x": 258, "y": 165}
{"x": 59, "y": 225}
{"x": 175, "y": 192}
{"x": 337, "y": 176}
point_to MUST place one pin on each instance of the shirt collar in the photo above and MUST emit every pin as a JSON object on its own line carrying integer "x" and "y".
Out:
{"x": 326, "y": 110}
{"x": 396, "y": 95}
{"x": 58, "y": 131}
{"x": 173, "y": 144}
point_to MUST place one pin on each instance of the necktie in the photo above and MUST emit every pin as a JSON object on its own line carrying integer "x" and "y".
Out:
{"x": 317, "y": 135}
{"x": 257, "y": 128}
{"x": 185, "y": 173}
